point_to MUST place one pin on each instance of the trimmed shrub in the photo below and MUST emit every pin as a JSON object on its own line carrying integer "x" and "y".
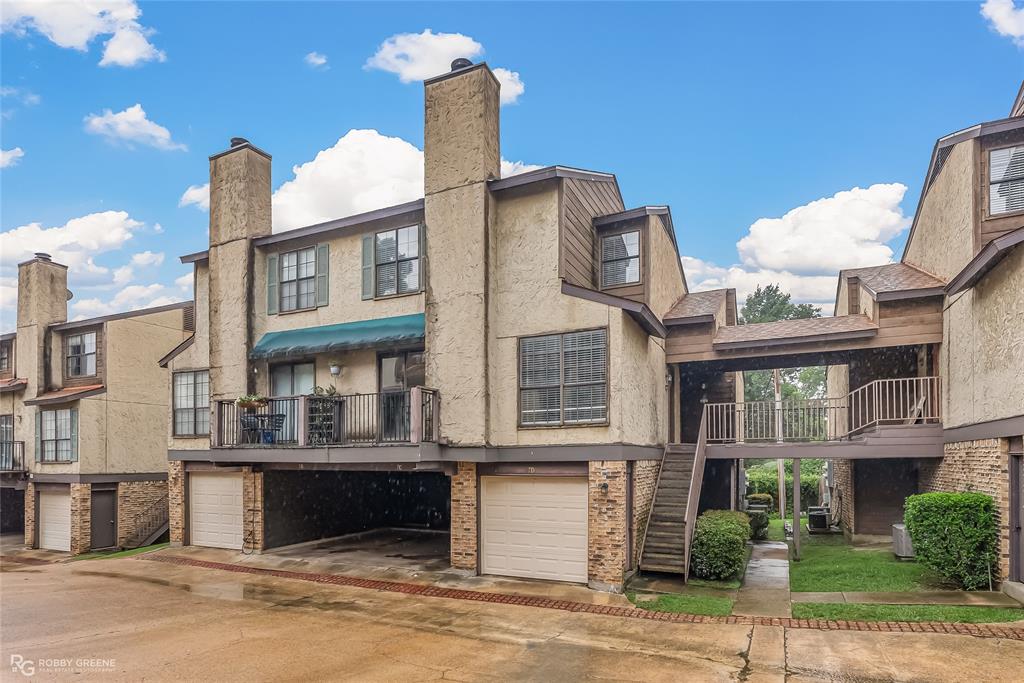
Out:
{"x": 760, "y": 481}
{"x": 762, "y": 499}
{"x": 719, "y": 544}
{"x": 758, "y": 525}
{"x": 955, "y": 535}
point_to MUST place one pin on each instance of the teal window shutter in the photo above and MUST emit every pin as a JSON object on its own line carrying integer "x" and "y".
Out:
{"x": 272, "y": 284}
{"x": 74, "y": 434}
{"x": 423, "y": 257}
{"x": 39, "y": 439}
{"x": 368, "y": 266}
{"x": 322, "y": 280}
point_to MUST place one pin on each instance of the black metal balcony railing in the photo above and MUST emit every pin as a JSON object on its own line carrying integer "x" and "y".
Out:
{"x": 12, "y": 456}
{"x": 390, "y": 417}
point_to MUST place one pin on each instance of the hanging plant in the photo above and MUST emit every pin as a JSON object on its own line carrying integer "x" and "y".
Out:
{"x": 251, "y": 401}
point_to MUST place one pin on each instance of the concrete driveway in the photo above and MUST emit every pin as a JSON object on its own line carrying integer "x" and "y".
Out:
{"x": 134, "y": 619}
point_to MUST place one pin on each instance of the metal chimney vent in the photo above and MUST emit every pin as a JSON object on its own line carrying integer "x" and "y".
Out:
{"x": 235, "y": 142}
{"x": 42, "y": 256}
{"x": 461, "y": 63}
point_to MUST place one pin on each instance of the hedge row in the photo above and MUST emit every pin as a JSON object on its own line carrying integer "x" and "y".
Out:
{"x": 764, "y": 482}
{"x": 955, "y": 535}
{"x": 719, "y": 544}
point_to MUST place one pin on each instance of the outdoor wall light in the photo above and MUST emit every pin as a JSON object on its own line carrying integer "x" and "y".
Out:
{"x": 335, "y": 368}
{"x": 604, "y": 487}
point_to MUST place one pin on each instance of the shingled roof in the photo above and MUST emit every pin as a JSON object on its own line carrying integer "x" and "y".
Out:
{"x": 895, "y": 277}
{"x": 696, "y": 306}
{"x": 798, "y": 331}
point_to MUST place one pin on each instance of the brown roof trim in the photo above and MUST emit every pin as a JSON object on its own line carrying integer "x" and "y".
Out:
{"x": 46, "y": 478}
{"x": 902, "y": 294}
{"x": 786, "y": 341}
{"x": 1018, "y": 103}
{"x": 993, "y": 429}
{"x": 197, "y": 256}
{"x": 119, "y": 316}
{"x": 65, "y": 396}
{"x": 244, "y": 145}
{"x": 8, "y": 336}
{"x": 984, "y": 261}
{"x": 976, "y": 131}
{"x": 16, "y": 384}
{"x": 163, "y": 362}
{"x": 692, "y": 320}
{"x": 547, "y": 173}
{"x": 350, "y": 224}
{"x": 641, "y": 313}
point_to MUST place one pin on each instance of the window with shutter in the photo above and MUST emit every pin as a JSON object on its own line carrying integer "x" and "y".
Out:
{"x": 620, "y": 259}
{"x": 1006, "y": 180}
{"x": 563, "y": 379}
{"x": 396, "y": 262}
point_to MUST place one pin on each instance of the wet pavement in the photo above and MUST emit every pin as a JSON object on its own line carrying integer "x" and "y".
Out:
{"x": 133, "y": 619}
{"x": 765, "y": 589}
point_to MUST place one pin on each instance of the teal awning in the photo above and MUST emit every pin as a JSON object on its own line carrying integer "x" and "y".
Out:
{"x": 362, "y": 334}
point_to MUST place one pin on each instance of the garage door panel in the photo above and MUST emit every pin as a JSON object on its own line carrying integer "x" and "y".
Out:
{"x": 55, "y": 520}
{"x": 215, "y": 507}
{"x": 534, "y": 527}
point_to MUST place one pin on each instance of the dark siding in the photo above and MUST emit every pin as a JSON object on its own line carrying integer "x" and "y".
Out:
{"x": 881, "y": 487}
{"x": 101, "y": 357}
{"x": 582, "y": 201}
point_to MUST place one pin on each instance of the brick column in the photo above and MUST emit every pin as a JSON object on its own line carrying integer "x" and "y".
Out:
{"x": 606, "y": 522}
{"x": 464, "y": 517}
{"x": 81, "y": 518}
{"x": 176, "y": 501}
{"x": 30, "y": 515}
{"x": 252, "y": 505}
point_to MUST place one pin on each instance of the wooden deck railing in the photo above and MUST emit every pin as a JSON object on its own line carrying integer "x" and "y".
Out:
{"x": 390, "y": 417}
{"x": 910, "y": 400}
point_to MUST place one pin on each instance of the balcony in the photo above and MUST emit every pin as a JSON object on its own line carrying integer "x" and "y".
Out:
{"x": 12, "y": 457}
{"x": 392, "y": 417}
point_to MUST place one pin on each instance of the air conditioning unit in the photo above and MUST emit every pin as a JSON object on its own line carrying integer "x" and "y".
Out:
{"x": 901, "y": 545}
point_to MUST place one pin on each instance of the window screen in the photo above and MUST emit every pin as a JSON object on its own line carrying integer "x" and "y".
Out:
{"x": 620, "y": 259}
{"x": 563, "y": 378}
{"x": 1006, "y": 180}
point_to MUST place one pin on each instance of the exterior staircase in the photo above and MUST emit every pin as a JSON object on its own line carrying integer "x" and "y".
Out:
{"x": 150, "y": 524}
{"x": 664, "y": 547}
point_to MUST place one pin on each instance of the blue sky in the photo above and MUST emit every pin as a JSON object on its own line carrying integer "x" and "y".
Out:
{"x": 728, "y": 112}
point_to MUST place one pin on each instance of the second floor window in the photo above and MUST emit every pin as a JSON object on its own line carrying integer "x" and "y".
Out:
{"x": 620, "y": 259}
{"x": 57, "y": 435}
{"x": 1006, "y": 180}
{"x": 82, "y": 354}
{"x": 563, "y": 379}
{"x": 397, "y": 261}
{"x": 298, "y": 279}
{"x": 192, "y": 403}
{"x": 5, "y": 356}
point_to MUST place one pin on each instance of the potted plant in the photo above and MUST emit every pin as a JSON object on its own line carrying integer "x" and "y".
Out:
{"x": 250, "y": 401}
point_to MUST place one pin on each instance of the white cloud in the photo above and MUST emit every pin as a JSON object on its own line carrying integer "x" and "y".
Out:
{"x": 10, "y": 157}
{"x": 1005, "y": 18}
{"x": 804, "y": 250}
{"x": 316, "y": 60}
{"x": 73, "y": 24}
{"x": 509, "y": 168}
{"x": 197, "y": 195}
{"x": 148, "y": 258}
{"x": 26, "y": 97}
{"x": 363, "y": 171}
{"x": 184, "y": 282}
{"x": 131, "y": 126}
{"x": 418, "y": 56}
{"x": 130, "y": 298}
{"x": 511, "y": 85}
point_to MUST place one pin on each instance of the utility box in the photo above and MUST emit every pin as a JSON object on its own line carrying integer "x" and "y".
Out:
{"x": 901, "y": 545}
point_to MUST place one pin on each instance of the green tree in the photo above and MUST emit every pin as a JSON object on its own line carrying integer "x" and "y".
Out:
{"x": 768, "y": 304}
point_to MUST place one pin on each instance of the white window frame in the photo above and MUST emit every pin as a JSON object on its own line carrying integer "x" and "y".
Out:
{"x": 83, "y": 355}
{"x": 296, "y": 279}
{"x": 619, "y": 259}
{"x": 381, "y": 262}
{"x": 52, "y": 436}
{"x": 993, "y": 184}
{"x": 200, "y": 402}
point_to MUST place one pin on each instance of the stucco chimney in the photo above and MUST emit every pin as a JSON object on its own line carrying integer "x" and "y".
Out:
{"x": 239, "y": 211}
{"x": 42, "y": 301}
{"x": 461, "y": 152}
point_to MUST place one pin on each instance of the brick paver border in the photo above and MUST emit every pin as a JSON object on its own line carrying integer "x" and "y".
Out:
{"x": 977, "y": 630}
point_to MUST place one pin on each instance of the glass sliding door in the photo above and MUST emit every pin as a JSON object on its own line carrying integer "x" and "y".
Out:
{"x": 294, "y": 379}
{"x": 398, "y": 373}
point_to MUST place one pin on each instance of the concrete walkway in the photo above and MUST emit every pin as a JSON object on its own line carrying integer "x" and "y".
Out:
{"x": 765, "y": 589}
{"x": 965, "y": 598}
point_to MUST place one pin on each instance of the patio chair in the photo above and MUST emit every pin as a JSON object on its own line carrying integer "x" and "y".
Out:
{"x": 250, "y": 428}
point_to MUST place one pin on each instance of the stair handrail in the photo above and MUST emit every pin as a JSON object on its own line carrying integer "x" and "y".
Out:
{"x": 141, "y": 517}
{"x": 693, "y": 498}
{"x": 650, "y": 511}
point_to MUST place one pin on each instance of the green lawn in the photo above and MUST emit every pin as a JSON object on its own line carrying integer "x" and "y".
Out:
{"x": 114, "y": 554}
{"x": 686, "y": 604}
{"x": 947, "y": 613}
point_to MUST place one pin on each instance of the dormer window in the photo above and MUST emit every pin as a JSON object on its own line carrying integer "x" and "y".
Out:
{"x": 5, "y": 356}
{"x": 1006, "y": 180}
{"x": 81, "y": 360}
{"x": 620, "y": 259}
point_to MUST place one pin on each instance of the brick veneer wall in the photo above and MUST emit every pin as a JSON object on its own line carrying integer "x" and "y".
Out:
{"x": 606, "y": 522}
{"x": 252, "y": 505}
{"x": 645, "y": 480}
{"x": 844, "y": 487}
{"x": 176, "y": 501}
{"x": 982, "y": 466}
{"x": 81, "y": 518}
{"x": 133, "y": 499}
{"x": 464, "y": 517}
{"x": 30, "y": 515}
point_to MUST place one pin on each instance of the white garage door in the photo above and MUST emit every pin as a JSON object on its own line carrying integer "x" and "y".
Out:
{"x": 215, "y": 509}
{"x": 534, "y": 527}
{"x": 55, "y": 520}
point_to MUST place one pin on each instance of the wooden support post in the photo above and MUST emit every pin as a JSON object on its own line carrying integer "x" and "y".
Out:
{"x": 796, "y": 509}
